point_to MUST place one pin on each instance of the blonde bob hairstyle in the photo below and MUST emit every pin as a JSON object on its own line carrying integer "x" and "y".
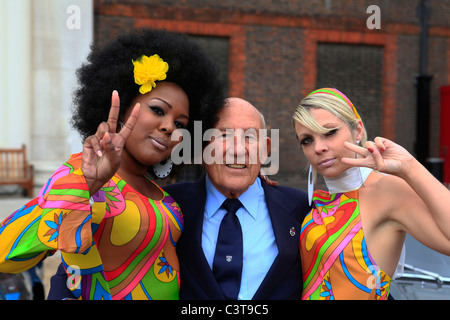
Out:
{"x": 332, "y": 104}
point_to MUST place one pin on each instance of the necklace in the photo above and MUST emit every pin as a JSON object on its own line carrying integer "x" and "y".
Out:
{"x": 349, "y": 180}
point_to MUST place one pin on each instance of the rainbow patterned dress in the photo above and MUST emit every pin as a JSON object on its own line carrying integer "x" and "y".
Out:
{"x": 336, "y": 263}
{"x": 116, "y": 245}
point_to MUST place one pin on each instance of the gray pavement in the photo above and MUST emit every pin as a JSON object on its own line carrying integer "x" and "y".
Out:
{"x": 10, "y": 204}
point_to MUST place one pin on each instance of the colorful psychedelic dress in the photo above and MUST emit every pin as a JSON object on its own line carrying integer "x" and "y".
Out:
{"x": 116, "y": 245}
{"x": 336, "y": 263}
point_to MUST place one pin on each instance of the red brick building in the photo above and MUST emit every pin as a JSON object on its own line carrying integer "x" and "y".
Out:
{"x": 276, "y": 51}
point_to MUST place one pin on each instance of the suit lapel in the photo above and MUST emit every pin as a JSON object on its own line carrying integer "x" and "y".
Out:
{"x": 287, "y": 235}
{"x": 191, "y": 244}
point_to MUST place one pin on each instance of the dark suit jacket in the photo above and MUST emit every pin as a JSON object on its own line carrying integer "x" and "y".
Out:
{"x": 287, "y": 209}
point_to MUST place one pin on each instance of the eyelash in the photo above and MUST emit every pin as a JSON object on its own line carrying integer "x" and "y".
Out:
{"x": 157, "y": 110}
{"x": 308, "y": 140}
{"x": 304, "y": 142}
{"x": 332, "y": 132}
{"x": 160, "y": 112}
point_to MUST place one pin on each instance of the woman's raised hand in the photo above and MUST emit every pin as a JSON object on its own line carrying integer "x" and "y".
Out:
{"x": 382, "y": 155}
{"x": 103, "y": 150}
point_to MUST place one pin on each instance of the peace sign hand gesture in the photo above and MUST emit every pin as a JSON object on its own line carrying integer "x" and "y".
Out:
{"x": 102, "y": 151}
{"x": 382, "y": 155}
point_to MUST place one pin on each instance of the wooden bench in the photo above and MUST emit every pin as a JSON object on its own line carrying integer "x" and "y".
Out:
{"x": 15, "y": 170}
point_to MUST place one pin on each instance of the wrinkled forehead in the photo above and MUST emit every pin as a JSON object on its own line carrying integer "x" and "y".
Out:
{"x": 239, "y": 114}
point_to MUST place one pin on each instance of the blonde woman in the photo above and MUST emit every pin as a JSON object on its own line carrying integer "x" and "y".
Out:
{"x": 377, "y": 192}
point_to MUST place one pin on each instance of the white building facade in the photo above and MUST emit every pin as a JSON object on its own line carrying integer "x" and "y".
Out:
{"x": 42, "y": 43}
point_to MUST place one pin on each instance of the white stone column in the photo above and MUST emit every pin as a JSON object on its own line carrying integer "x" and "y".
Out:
{"x": 16, "y": 83}
{"x": 61, "y": 38}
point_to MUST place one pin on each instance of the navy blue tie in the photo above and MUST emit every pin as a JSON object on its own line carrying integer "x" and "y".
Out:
{"x": 227, "y": 265}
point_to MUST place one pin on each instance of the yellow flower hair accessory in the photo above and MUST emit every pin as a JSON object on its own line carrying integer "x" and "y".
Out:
{"x": 147, "y": 70}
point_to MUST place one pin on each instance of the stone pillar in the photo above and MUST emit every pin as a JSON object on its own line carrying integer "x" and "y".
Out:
{"x": 62, "y": 32}
{"x": 16, "y": 85}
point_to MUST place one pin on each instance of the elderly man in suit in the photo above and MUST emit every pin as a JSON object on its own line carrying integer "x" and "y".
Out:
{"x": 270, "y": 217}
{"x": 252, "y": 255}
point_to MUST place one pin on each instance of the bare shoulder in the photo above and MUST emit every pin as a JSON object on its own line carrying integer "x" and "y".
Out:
{"x": 383, "y": 195}
{"x": 391, "y": 199}
{"x": 388, "y": 185}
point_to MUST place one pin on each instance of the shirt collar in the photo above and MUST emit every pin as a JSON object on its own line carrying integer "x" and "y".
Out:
{"x": 214, "y": 198}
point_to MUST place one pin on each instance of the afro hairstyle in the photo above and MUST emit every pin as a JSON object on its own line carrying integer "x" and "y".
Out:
{"x": 111, "y": 68}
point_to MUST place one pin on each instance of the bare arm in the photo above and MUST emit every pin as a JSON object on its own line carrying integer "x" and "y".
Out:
{"x": 429, "y": 214}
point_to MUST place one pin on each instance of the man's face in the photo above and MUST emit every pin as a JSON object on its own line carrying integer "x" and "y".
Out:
{"x": 240, "y": 147}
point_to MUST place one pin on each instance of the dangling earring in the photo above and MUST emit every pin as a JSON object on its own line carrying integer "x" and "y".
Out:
{"x": 310, "y": 184}
{"x": 163, "y": 170}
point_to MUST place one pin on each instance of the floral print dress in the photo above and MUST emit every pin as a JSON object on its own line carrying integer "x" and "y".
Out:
{"x": 118, "y": 244}
{"x": 336, "y": 263}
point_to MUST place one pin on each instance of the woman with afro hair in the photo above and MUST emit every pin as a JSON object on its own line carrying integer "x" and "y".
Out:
{"x": 115, "y": 227}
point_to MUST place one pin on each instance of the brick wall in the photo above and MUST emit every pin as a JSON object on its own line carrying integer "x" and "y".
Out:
{"x": 273, "y": 55}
